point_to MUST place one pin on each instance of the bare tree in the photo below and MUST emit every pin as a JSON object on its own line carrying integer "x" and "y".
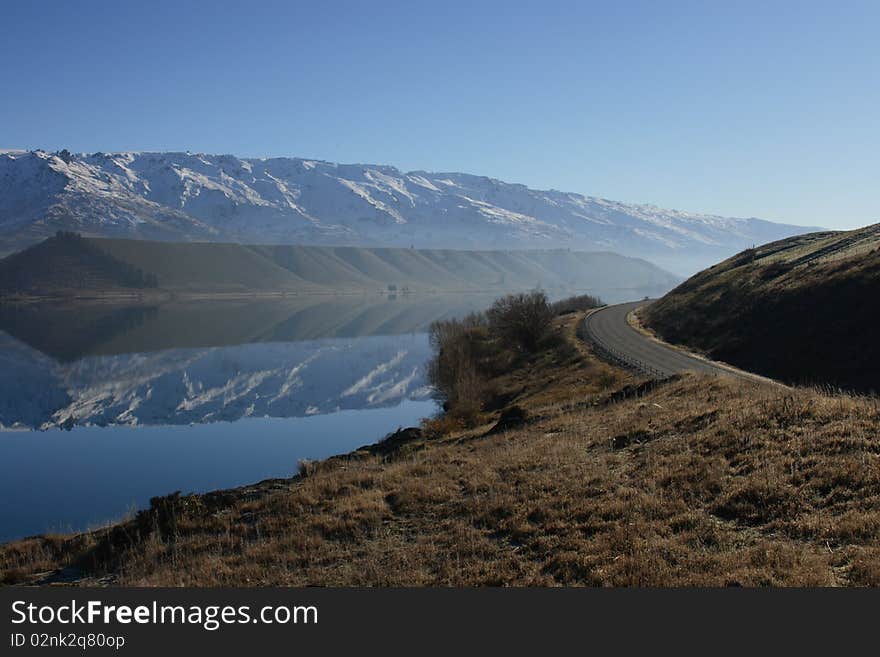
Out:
{"x": 454, "y": 370}
{"x": 521, "y": 319}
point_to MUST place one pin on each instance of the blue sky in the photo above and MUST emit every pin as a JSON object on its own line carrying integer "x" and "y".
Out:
{"x": 765, "y": 109}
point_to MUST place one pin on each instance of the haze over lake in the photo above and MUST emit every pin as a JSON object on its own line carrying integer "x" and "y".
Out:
{"x": 106, "y": 405}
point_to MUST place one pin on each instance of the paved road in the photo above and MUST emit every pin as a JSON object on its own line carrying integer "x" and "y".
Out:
{"x": 608, "y": 329}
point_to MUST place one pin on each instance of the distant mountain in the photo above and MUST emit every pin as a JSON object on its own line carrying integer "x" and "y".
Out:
{"x": 198, "y": 197}
{"x": 802, "y": 310}
{"x": 68, "y": 265}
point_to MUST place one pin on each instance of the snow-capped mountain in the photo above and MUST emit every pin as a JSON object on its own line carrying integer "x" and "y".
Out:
{"x": 188, "y": 196}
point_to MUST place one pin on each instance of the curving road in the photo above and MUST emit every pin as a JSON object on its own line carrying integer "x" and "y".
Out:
{"x": 609, "y": 331}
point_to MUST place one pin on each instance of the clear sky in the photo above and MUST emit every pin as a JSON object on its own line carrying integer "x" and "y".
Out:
{"x": 768, "y": 109}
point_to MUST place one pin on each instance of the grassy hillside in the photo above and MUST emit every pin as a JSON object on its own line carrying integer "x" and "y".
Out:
{"x": 802, "y": 310}
{"x": 607, "y": 480}
{"x": 217, "y": 267}
{"x": 237, "y": 268}
{"x": 194, "y": 266}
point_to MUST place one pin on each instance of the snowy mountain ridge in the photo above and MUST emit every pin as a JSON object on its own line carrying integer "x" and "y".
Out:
{"x": 199, "y": 197}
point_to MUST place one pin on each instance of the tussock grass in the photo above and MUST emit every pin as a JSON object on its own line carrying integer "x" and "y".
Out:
{"x": 696, "y": 480}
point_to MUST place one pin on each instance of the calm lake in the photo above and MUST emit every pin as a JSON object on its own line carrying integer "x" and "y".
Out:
{"x": 103, "y": 406}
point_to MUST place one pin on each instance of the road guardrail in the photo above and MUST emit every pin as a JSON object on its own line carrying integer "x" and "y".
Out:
{"x": 619, "y": 358}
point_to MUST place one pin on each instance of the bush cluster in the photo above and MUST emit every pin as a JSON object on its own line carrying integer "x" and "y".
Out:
{"x": 457, "y": 370}
{"x": 576, "y": 304}
{"x": 469, "y": 352}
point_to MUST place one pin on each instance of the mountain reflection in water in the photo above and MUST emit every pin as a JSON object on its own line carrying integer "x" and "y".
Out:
{"x": 197, "y": 396}
{"x": 200, "y": 362}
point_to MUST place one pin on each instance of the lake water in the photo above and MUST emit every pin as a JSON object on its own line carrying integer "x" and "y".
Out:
{"x": 104, "y": 406}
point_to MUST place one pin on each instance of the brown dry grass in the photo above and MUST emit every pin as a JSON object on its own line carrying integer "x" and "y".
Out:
{"x": 693, "y": 481}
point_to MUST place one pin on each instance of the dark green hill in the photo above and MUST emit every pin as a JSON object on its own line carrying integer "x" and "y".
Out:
{"x": 68, "y": 262}
{"x": 803, "y": 310}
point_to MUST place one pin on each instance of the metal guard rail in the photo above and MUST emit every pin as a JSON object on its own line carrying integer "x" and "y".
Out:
{"x": 619, "y": 358}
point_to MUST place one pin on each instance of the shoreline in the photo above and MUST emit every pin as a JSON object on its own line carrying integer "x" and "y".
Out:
{"x": 283, "y": 442}
{"x": 574, "y": 473}
{"x": 391, "y": 446}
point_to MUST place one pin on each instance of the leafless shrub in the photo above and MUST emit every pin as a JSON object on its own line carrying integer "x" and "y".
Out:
{"x": 576, "y": 304}
{"x": 521, "y": 321}
{"x": 471, "y": 352}
{"x": 454, "y": 371}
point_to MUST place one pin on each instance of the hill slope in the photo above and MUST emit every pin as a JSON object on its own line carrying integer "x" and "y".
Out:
{"x": 68, "y": 262}
{"x": 199, "y": 197}
{"x": 802, "y": 310}
{"x": 59, "y": 264}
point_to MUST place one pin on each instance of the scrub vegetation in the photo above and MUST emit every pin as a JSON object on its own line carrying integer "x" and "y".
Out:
{"x": 470, "y": 354}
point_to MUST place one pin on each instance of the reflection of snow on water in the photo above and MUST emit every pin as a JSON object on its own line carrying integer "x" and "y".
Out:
{"x": 186, "y": 386}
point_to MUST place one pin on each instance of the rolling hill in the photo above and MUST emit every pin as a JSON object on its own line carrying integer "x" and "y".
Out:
{"x": 222, "y": 198}
{"x": 67, "y": 264}
{"x": 802, "y": 310}
{"x": 70, "y": 263}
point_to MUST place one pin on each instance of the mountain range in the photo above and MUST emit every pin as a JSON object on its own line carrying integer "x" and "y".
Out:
{"x": 175, "y": 196}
